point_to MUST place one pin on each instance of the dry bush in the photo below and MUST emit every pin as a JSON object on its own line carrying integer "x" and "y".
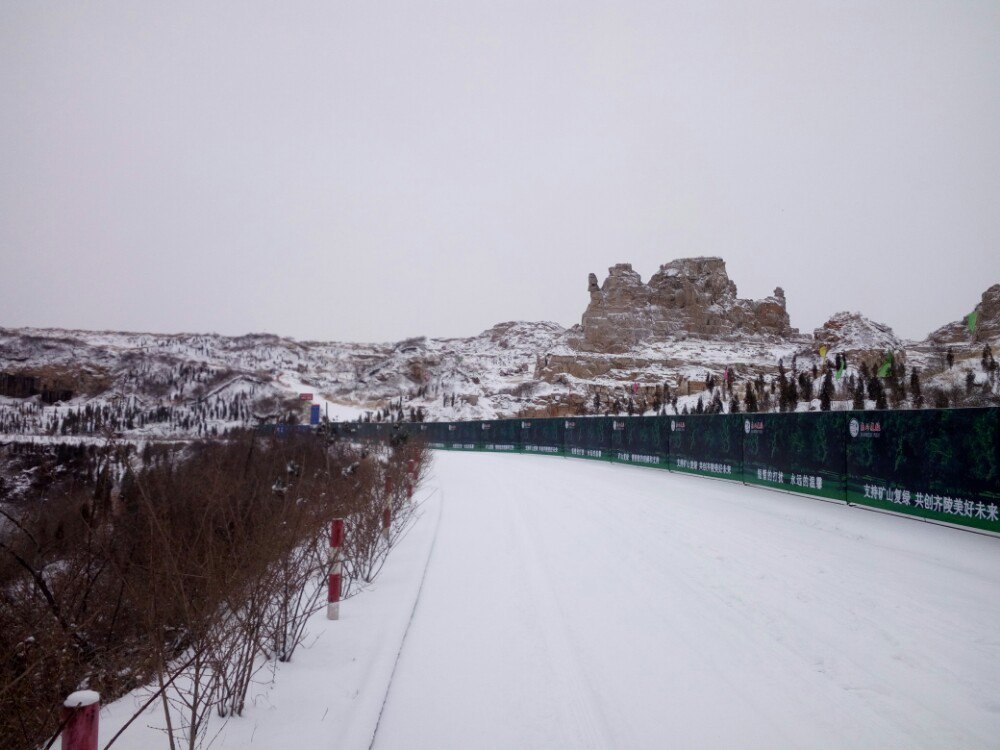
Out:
{"x": 384, "y": 479}
{"x": 186, "y": 575}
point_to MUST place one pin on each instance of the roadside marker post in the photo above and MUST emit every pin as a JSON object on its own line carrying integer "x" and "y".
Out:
{"x": 80, "y": 714}
{"x": 335, "y": 582}
{"x": 387, "y": 509}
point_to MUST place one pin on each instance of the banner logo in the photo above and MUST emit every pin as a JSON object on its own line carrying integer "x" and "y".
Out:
{"x": 865, "y": 429}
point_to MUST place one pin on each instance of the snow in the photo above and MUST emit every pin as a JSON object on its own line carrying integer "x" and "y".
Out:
{"x": 575, "y": 604}
{"x": 82, "y": 698}
{"x": 336, "y": 411}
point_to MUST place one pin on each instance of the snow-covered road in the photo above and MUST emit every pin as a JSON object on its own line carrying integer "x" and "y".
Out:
{"x": 570, "y": 604}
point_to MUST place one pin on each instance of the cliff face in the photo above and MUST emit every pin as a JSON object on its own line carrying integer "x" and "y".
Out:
{"x": 686, "y": 297}
{"x": 987, "y": 328}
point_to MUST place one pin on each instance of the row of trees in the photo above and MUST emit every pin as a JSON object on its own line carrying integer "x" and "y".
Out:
{"x": 875, "y": 385}
{"x": 205, "y": 418}
{"x": 194, "y": 574}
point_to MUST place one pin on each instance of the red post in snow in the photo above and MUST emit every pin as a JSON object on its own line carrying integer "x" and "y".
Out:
{"x": 411, "y": 477}
{"x": 80, "y": 713}
{"x": 336, "y": 537}
{"x": 387, "y": 509}
{"x": 336, "y": 569}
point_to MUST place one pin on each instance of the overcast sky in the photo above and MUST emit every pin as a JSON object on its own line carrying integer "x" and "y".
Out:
{"x": 369, "y": 171}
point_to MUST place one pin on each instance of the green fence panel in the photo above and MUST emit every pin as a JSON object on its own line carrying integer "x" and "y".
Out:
{"x": 707, "y": 444}
{"x": 587, "y": 437}
{"x": 542, "y": 436}
{"x": 437, "y": 434}
{"x": 461, "y": 436}
{"x": 498, "y": 435}
{"x": 801, "y": 452}
{"x": 639, "y": 440}
{"x": 942, "y": 464}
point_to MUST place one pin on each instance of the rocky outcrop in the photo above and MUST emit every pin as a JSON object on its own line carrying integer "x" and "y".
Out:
{"x": 858, "y": 338}
{"x": 987, "y": 328}
{"x": 686, "y": 297}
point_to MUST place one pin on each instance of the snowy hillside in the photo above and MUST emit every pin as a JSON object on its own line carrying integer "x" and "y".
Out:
{"x": 66, "y": 382}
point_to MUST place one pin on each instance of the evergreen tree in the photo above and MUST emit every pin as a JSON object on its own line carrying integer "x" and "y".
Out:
{"x": 950, "y": 358}
{"x": 805, "y": 387}
{"x": 826, "y": 391}
{"x": 880, "y": 402}
{"x": 700, "y": 407}
{"x": 877, "y": 392}
{"x": 859, "y": 395}
{"x": 717, "y": 407}
{"x": 783, "y": 396}
{"x": 750, "y": 399}
{"x": 734, "y": 404}
{"x": 918, "y": 399}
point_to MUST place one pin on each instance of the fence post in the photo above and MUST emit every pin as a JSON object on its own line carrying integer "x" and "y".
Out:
{"x": 411, "y": 477}
{"x": 336, "y": 569}
{"x": 80, "y": 712}
{"x": 387, "y": 509}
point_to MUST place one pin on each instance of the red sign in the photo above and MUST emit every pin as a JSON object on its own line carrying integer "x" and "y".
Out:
{"x": 305, "y": 397}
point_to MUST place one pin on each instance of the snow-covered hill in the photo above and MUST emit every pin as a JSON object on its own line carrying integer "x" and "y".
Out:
{"x": 94, "y": 382}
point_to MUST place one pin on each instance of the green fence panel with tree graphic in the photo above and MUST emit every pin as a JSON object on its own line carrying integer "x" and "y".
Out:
{"x": 801, "y": 452}
{"x": 707, "y": 444}
{"x": 942, "y": 464}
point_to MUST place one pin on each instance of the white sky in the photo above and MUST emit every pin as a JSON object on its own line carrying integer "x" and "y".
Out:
{"x": 369, "y": 170}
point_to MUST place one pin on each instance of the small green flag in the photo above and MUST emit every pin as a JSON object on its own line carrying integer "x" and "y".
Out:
{"x": 884, "y": 369}
{"x": 971, "y": 320}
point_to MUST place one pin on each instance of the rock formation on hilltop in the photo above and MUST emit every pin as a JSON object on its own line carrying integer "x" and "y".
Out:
{"x": 987, "y": 328}
{"x": 686, "y": 297}
{"x": 858, "y": 337}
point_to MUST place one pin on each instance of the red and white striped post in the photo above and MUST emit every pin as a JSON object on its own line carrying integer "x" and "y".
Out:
{"x": 387, "y": 509}
{"x": 411, "y": 477}
{"x": 336, "y": 569}
{"x": 80, "y": 713}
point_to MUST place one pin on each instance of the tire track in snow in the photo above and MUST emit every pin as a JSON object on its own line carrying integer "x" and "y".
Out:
{"x": 574, "y": 681}
{"x": 409, "y": 622}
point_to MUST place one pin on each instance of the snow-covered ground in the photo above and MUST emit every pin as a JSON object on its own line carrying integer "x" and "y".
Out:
{"x": 570, "y": 604}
